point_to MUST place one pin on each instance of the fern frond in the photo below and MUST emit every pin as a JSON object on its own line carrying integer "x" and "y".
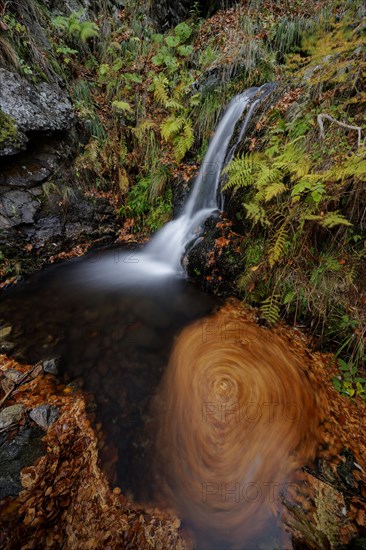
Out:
{"x": 273, "y": 190}
{"x": 332, "y": 219}
{"x": 123, "y": 182}
{"x": 256, "y": 213}
{"x": 88, "y": 30}
{"x": 173, "y": 104}
{"x": 74, "y": 27}
{"x": 279, "y": 243}
{"x": 302, "y": 169}
{"x": 172, "y": 126}
{"x": 353, "y": 167}
{"x": 179, "y": 89}
{"x": 270, "y": 309}
{"x": 160, "y": 90}
{"x": 143, "y": 129}
{"x": 183, "y": 142}
{"x": 60, "y": 22}
{"x": 241, "y": 171}
{"x": 268, "y": 175}
{"x": 289, "y": 297}
{"x": 158, "y": 179}
{"x": 122, "y": 106}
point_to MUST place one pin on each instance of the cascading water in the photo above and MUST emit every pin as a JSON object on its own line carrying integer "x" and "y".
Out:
{"x": 169, "y": 244}
{"x": 161, "y": 258}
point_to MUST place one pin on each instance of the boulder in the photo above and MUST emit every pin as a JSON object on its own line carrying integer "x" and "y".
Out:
{"x": 34, "y": 107}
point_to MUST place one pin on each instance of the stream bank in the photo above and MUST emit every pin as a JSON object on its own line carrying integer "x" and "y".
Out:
{"x": 64, "y": 496}
{"x": 312, "y": 276}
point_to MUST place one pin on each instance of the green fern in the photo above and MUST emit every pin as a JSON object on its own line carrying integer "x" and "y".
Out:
{"x": 88, "y": 30}
{"x": 289, "y": 297}
{"x": 353, "y": 166}
{"x": 144, "y": 129}
{"x": 332, "y": 219}
{"x": 174, "y": 105}
{"x": 274, "y": 190}
{"x": 172, "y": 126}
{"x": 268, "y": 175}
{"x": 183, "y": 142}
{"x": 161, "y": 90}
{"x": 256, "y": 213}
{"x": 74, "y": 27}
{"x": 122, "y": 106}
{"x": 242, "y": 170}
{"x": 270, "y": 309}
{"x": 279, "y": 243}
{"x": 158, "y": 179}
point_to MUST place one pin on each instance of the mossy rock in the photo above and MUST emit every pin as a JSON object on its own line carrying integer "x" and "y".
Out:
{"x": 11, "y": 140}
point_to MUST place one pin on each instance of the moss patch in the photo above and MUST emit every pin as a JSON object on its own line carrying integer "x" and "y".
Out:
{"x": 9, "y": 136}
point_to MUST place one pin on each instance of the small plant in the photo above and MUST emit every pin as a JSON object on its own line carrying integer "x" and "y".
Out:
{"x": 349, "y": 382}
{"x": 172, "y": 47}
{"x": 67, "y": 54}
{"x": 148, "y": 212}
{"x": 270, "y": 309}
{"x": 74, "y": 27}
{"x": 177, "y": 128}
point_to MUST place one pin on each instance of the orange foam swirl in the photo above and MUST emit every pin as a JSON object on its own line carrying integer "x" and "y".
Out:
{"x": 237, "y": 415}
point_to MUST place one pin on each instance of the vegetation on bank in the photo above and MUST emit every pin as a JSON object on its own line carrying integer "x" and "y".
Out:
{"x": 148, "y": 102}
{"x": 304, "y": 205}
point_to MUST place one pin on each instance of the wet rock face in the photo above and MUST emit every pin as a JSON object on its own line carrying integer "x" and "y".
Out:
{"x": 41, "y": 107}
{"x": 214, "y": 260}
{"x": 48, "y": 226}
{"x": 42, "y": 211}
{"x": 16, "y": 452}
{"x": 18, "y": 207}
{"x": 168, "y": 14}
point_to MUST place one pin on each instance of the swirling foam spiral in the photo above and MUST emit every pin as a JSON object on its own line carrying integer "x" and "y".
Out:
{"x": 237, "y": 416}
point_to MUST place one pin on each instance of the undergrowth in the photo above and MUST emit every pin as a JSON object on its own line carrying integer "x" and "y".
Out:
{"x": 303, "y": 204}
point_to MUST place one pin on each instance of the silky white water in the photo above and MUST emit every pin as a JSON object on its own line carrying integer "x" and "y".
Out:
{"x": 162, "y": 256}
{"x": 169, "y": 244}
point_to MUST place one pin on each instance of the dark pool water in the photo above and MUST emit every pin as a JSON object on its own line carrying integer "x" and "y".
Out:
{"x": 112, "y": 320}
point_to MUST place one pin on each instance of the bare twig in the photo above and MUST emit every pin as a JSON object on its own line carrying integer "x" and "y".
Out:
{"x": 20, "y": 382}
{"x": 320, "y": 118}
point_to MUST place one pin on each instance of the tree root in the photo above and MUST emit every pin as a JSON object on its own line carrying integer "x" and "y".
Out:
{"x": 320, "y": 118}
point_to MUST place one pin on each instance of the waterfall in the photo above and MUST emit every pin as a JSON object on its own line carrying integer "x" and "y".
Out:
{"x": 161, "y": 258}
{"x": 169, "y": 244}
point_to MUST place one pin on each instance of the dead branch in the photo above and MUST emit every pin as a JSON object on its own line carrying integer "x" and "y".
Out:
{"x": 320, "y": 118}
{"x": 35, "y": 370}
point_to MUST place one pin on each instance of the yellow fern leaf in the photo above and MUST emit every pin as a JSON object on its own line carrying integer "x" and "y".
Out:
{"x": 172, "y": 126}
{"x": 183, "y": 142}
{"x": 144, "y": 128}
{"x": 123, "y": 182}
{"x": 278, "y": 246}
{"x": 273, "y": 190}
{"x": 160, "y": 90}
{"x": 270, "y": 309}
